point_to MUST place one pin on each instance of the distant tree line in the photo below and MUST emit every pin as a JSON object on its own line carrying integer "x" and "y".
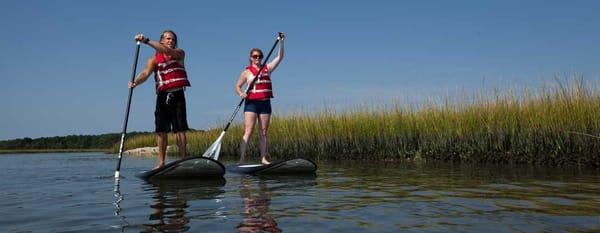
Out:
{"x": 103, "y": 141}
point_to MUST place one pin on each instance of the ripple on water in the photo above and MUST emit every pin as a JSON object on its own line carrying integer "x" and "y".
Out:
{"x": 65, "y": 193}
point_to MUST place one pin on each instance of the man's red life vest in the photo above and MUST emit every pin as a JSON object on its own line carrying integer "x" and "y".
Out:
{"x": 262, "y": 88}
{"x": 169, "y": 74}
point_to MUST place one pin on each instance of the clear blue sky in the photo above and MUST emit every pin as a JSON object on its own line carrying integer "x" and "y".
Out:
{"x": 66, "y": 64}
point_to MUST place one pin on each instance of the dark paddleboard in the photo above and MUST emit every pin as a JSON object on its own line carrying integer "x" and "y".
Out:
{"x": 191, "y": 167}
{"x": 287, "y": 167}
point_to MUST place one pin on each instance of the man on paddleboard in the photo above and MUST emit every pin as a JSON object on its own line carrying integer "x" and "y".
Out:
{"x": 168, "y": 67}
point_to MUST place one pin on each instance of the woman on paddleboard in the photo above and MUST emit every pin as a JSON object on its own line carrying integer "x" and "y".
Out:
{"x": 257, "y": 106}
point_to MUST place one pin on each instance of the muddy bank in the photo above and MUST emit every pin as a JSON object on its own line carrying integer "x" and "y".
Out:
{"x": 148, "y": 151}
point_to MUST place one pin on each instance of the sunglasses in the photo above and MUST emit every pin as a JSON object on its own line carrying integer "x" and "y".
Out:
{"x": 257, "y": 56}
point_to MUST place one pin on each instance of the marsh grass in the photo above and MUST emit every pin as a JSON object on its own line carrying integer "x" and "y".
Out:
{"x": 546, "y": 126}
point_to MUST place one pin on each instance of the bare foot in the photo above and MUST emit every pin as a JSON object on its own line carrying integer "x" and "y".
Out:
{"x": 158, "y": 166}
{"x": 264, "y": 161}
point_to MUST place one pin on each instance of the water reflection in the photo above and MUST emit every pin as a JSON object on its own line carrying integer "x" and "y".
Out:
{"x": 469, "y": 198}
{"x": 170, "y": 202}
{"x": 257, "y": 193}
{"x": 169, "y": 206}
{"x": 379, "y": 197}
{"x": 255, "y": 216}
{"x": 118, "y": 197}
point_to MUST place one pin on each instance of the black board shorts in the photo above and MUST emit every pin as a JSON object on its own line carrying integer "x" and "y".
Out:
{"x": 170, "y": 113}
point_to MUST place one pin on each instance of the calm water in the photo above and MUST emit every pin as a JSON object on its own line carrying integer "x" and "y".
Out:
{"x": 76, "y": 193}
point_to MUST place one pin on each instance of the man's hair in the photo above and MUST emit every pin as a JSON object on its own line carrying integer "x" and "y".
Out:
{"x": 162, "y": 35}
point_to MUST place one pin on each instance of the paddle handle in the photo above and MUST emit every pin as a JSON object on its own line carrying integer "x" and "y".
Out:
{"x": 124, "y": 132}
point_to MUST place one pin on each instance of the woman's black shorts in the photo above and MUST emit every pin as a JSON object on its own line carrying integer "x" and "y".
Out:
{"x": 258, "y": 107}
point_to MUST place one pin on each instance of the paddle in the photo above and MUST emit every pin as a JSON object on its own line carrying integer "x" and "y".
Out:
{"x": 213, "y": 151}
{"x": 137, "y": 54}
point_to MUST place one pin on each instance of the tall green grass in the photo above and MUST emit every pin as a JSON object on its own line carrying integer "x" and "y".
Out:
{"x": 538, "y": 127}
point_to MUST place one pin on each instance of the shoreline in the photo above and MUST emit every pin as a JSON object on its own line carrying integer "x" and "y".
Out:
{"x": 147, "y": 151}
{"x": 142, "y": 151}
{"x": 41, "y": 151}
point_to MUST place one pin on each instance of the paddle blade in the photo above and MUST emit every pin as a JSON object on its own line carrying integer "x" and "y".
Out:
{"x": 214, "y": 149}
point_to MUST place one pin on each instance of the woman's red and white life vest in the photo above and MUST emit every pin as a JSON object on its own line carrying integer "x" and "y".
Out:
{"x": 169, "y": 74}
{"x": 262, "y": 88}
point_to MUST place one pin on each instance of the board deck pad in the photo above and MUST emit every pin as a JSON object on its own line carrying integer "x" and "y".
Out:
{"x": 286, "y": 167}
{"x": 190, "y": 167}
